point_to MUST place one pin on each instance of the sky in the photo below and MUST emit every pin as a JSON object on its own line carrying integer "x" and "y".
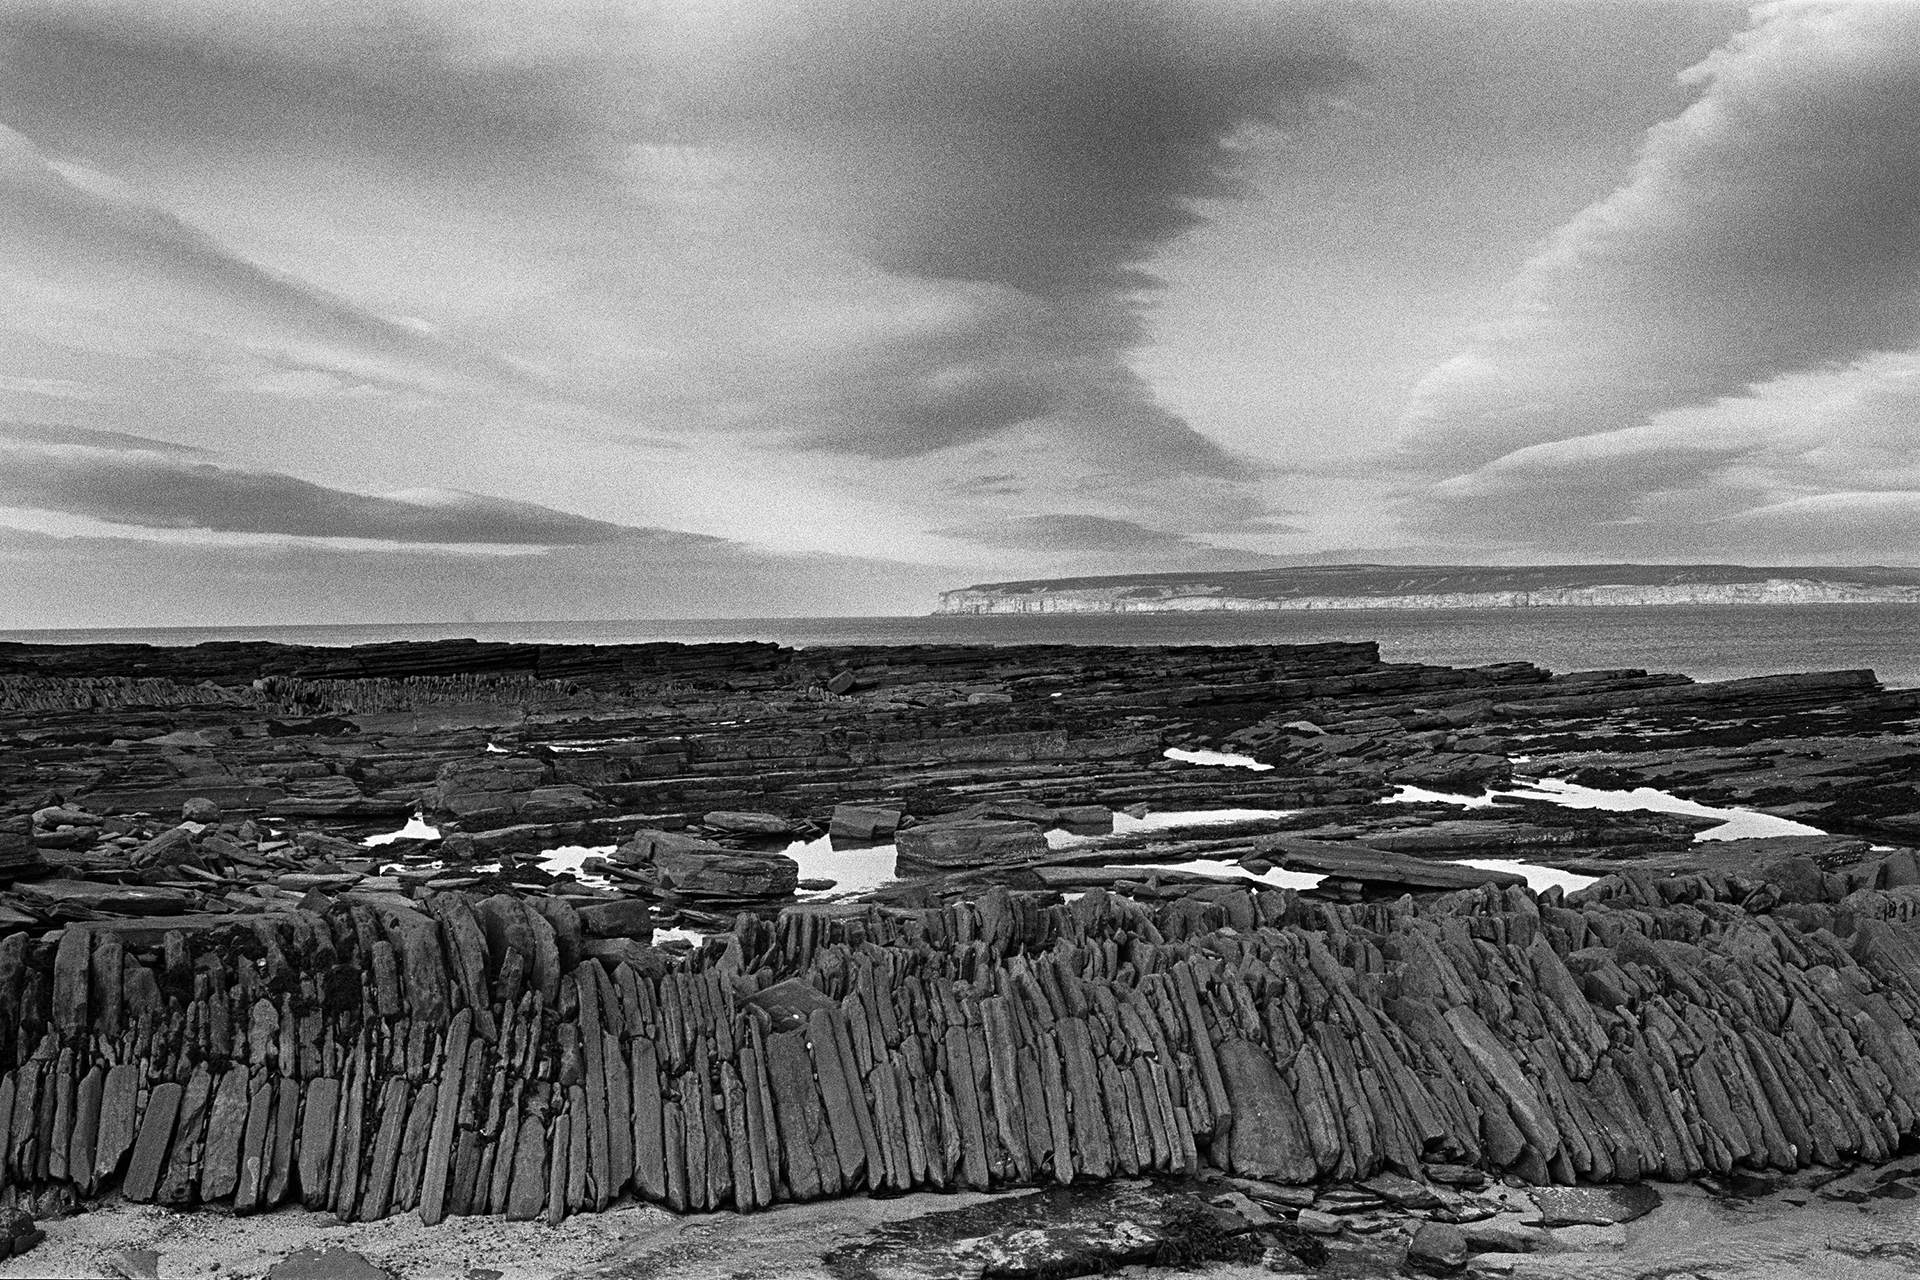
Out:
{"x": 412, "y": 310}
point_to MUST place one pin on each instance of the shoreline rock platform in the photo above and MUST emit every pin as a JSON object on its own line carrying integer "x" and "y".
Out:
{"x": 216, "y": 994}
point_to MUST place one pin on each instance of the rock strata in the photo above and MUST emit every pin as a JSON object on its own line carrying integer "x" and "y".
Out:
{"x": 212, "y": 998}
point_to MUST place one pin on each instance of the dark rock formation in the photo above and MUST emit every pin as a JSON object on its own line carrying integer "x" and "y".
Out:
{"x": 252, "y": 1007}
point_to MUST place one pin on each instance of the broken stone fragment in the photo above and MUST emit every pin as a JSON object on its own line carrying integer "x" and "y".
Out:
{"x": 1438, "y": 1249}
{"x": 743, "y": 822}
{"x": 862, "y": 822}
{"x": 626, "y": 918}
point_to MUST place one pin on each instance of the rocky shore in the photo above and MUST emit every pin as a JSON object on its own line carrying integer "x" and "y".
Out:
{"x": 214, "y": 992}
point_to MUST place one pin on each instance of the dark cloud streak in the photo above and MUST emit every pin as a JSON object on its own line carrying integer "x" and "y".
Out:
{"x": 125, "y": 480}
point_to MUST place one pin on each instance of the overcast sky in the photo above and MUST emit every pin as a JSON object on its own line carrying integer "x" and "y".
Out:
{"x": 352, "y": 310}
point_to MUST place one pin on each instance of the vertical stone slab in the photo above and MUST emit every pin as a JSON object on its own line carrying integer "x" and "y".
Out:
{"x": 386, "y": 1151}
{"x": 286, "y": 1128}
{"x": 316, "y": 1140}
{"x": 119, "y": 1097}
{"x": 86, "y": 1129}
{"x": 64, "y": 1085}
{"x": 673, "y": 1128}
{"x": 529, "y": 1188}
{"x": 72, "y": 977}
{"x": 433, "y": 1191}
{"x": 802, "y": 1122}
{"x": 649, "y": 1144}
{"x": 966, "y": 1102}
{"x": 178, "y": 1184}
{"x": 619, "y": 1116}
{"x": 558, "y": 1159}
{"x": 252, "y": 1183}
{"x": 226, "y": 1127}
{"x": 409, "y": 1174}
{"x": 579, "y": 1155}
{"x": 150, "y": 1147}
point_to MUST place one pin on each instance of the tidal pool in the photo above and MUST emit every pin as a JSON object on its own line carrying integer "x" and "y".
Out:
{"x": 417, "y": 828}
{"x": 1735, "y": 824}
{"x": 1206, "y": 755}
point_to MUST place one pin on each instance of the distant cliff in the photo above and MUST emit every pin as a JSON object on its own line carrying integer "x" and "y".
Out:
{"x": 1366, "y": 586}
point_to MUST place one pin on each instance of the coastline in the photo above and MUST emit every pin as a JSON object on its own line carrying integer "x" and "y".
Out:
{"x": 1342, "y": 1004}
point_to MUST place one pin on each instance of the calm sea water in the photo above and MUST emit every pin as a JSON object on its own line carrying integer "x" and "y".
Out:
{"x": 1707, "y": 642}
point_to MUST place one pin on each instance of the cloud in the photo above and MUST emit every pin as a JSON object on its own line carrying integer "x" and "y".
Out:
{"x": 1028, "y": 161}
{"x": 123, "y": 480}
{"x": 1772, "y": 227}
{"x": 983, "y": 188}
{"x": 1790, "y": 469}
{"x": 1099, "y": 537}
{"x": 86, "y": 263}
{"x": 1882, "y": 524}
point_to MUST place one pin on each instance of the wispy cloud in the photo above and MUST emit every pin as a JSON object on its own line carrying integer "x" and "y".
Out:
{"x": 1772, "y": 227}
{"x": 1759, "y": 263}
{"x": 115, "y": 481}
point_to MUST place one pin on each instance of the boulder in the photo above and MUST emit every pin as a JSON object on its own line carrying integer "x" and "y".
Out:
{"x": 644, "y": 846}
{"x": 747, "y": 823}
{"x": 627, "y": 918}
{"x": 1438, "y": 1248}
{"x": 495, "y": 792}
{"x": 863, "y": 822}
{"x": 1594, "y": 1206}
{"x": 961, "y": 845}
{"x": 1095, "y": 816}
{"x": 727, "y": 876}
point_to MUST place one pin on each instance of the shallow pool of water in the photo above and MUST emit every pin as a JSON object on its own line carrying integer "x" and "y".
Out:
{"x": 852, "y": 868}
{"x": 567, "y": 859}
{"x": 1125, "y": 824}
{"x": 417, "y": 828}
{"x": 1539, "y": 878}
{"x": 1205, "y": 755}
{"x": 1735, "y": 824}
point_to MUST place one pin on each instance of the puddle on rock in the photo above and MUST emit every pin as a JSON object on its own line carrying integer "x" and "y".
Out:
{"x": 1735, "y": 824}
{"x": 567, "y": 859}
{"x": 1125, "y": 824}
{"x": 417, "y": 828}
{"x": 853, "y": 868}
{"x": 1539, "y": 878}
{"x": 1204, "y": 755}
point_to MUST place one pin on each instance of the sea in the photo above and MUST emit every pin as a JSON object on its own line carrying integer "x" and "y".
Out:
{"x": 1706, "y": 642}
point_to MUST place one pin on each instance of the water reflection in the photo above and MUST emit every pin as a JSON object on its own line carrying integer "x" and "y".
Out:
{"x": 1735, "y": 824}
{"x": 1204, "y": 755}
